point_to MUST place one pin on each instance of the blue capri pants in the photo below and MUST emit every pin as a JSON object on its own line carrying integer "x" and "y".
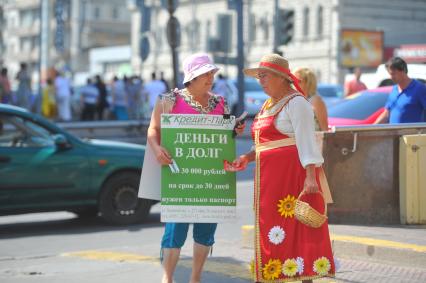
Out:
{"x": 175, "y": 234}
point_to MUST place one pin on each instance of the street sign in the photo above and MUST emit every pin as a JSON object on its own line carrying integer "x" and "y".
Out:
{"x": 172, "y": 8}
{"x": 232, "y": 5}
{"x": 195, "y": 188}
{"x": 284, "y": 28}
{"x": 144, "y": 47}
{"x": 173, "y": 32}
{"x": 224, "y": 28}
{"x": 60, "y": 26}
{"x": 225, "y": 60}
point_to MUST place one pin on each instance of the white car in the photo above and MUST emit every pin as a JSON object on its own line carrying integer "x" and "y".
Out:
{"x": 330, "y": 93}
{"x": 254, "y": 96}
{"x": 381, "y": 76}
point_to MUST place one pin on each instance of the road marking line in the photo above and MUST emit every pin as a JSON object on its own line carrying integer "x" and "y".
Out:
{"x": 360, "y": 240}
{"x": 112, "y": 256}
{"x": 378, "y": 243}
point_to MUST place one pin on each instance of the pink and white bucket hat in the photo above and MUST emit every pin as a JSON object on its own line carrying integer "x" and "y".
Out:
{"x": 196, "y": 65}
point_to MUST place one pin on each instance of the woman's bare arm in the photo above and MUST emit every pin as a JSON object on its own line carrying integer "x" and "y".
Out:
{"x": 320, "y": 112}
{"x": 154, "y": 135}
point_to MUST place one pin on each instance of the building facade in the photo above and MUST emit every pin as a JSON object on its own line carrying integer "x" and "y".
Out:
{"x": 2, "y": 24}
{"x": 323, "y": 32}
{"x": 73, "y": 29}
{"x": 319, "y": 39}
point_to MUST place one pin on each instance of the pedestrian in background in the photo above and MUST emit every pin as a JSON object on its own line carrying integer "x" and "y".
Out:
{"x": 308, "y": 83}
{"x": 166, "y": 84}
{"x": 63, "y": 97}
{"x": 5, "y": 90}
{"x": 153, "y": 89}
{"x": 220, "y": 86}
{"x": 138, "y": 87}
{"x": 48, "y": 100}
{"x": 133, "y": 87}
{"x": 23, "y": 93}
{"x": 144, "y": 108}
{"x": 288, "y": 164}
{"x": 355, "y": 85}
{"x": 407, "y": 101}
{"x": 103, "y": 95}
{"x": 89, "y": 95}
{"x": 227, "y": 90}
{"x": 195, "y": 98}
{"x": 119, "y": 99}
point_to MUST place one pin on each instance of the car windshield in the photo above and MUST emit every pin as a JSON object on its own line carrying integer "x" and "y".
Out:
{"x": 359, "y": 107}
{"x": 18, "y": 132}
{"x": 252, "y": 85}
{"x": 329, "y": 91}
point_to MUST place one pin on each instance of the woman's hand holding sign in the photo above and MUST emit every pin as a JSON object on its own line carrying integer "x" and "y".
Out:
{"x": 240, "y": 124}
{"x": 162, "y": 155}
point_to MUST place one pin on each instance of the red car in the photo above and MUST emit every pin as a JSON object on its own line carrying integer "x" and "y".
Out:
{"x": 361, "y": 108}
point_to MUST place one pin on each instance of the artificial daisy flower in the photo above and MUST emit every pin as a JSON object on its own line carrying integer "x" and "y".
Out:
{"x": 286, "y": 206}
{"x": 276, "y": 235}
{"x": 290, "y": 267}
{"x": 300, "y": 265}
{"x": 272, "y": 269}
{"x": 322, "y": 266}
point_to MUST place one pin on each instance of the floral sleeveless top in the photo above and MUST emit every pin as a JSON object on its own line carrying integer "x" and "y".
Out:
{"x": 181, "y": 102}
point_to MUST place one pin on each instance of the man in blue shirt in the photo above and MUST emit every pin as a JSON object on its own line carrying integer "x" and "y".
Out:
{"x": 89, "y": 98}
{"x": 407, "y": 101}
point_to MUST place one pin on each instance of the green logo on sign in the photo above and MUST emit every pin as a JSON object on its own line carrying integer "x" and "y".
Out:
{"x": 166, "y": 119}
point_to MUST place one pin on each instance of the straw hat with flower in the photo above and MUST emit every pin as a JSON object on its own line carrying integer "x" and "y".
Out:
{"x": 276, "y": 64}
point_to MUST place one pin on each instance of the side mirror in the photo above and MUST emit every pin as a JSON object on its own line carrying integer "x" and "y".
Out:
{"x": 61, "y": 141}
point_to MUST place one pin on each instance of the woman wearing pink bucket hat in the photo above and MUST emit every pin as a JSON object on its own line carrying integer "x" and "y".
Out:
{"x": 288, "y": 164}
{"x": 195, "y": 98}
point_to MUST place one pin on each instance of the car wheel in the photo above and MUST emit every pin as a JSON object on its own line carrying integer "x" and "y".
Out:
{"x": 119, "y": 203}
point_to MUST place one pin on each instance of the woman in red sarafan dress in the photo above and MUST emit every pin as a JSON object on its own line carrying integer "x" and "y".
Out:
{"x": 288, "y": 161}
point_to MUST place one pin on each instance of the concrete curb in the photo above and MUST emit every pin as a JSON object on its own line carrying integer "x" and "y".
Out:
{"x": 364, "y": 248}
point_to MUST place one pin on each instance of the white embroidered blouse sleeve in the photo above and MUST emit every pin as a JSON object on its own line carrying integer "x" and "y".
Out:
{"x": 302, "y": 120}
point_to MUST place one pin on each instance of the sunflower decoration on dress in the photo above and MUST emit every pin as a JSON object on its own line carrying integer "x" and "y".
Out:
{"x": 272, "y": 269}
{"x": 276, "y": 235}
{"x": 290, "y": 267}
{"x": 322, "y": 266}
{"x": 286, "y": 206}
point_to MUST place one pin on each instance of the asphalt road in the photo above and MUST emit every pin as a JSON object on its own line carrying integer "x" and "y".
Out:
{"x": 58, "y": 247}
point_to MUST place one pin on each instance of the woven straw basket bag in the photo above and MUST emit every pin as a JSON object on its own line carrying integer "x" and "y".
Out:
{"x": 308, "y": 215}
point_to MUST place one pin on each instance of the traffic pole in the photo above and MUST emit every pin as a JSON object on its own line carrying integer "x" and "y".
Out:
{"x": 240, "y": 56}
{"x": 173, "y": 36}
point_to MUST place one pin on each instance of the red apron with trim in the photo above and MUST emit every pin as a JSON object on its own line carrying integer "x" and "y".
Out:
{"x": 285, "y": 249}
